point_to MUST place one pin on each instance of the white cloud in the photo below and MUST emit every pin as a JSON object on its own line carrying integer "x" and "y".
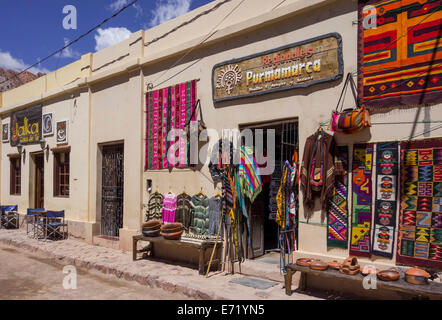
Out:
{"x": 169, "y": 9}
{"x": 68, "y": 52}
{"x": 110, "y": 36}
{"x": 7, "y": 61}
{"x": 118, "y": 4}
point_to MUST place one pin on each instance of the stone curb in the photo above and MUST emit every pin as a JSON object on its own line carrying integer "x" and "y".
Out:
{"x": 122, "y": 272}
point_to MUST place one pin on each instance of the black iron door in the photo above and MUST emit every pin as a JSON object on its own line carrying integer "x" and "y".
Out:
{"x": 112, "y": 190}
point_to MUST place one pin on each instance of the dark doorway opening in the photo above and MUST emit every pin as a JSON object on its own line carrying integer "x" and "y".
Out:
{"x": 264, "y": 229}
{"x": 112, "y": 190}
{"x": 39, "y": 194}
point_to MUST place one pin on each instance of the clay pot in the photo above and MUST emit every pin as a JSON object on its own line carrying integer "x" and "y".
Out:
{"x": 172, "y": 236}
{"x": 350, "y": 266}
{"x": 304, "y": 262}
{"x": 151, "y": 223}
{"x": 154, "y": 233}
{"x": 389, "y": 275}
{"x": 416, "y": 276}
{"x": 334, "y": 264}
{"x": 318, "y": 265}
{"x": 171, "y": 226}
{"x": 172, "y": 230}
{"x": 365, "y": 271}
{"x": 154, "y": 228}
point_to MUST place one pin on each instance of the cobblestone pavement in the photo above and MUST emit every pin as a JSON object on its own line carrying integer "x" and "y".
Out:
{"x": 172, "y": 279}
{"x": 27, "y": 276}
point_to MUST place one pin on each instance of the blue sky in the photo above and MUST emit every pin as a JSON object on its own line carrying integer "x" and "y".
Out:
{"x": 32, "y": 29}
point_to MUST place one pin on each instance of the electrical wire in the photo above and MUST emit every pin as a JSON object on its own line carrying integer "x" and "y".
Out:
{"x": 77, "y": 39}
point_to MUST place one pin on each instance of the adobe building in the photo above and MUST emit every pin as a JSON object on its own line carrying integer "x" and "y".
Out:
{"x": 292, "y": 58}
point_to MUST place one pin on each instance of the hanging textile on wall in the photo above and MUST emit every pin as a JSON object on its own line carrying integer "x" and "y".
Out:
{"x": 420, "y": 223}
{"x": 361, "y": 200}
{"x": 154, "y": 207}
{"x": 399, "y": 52}
{"x": 387, "y": 164}
{"x": 168, "y": 109}
{"x": 337, "y": 215}
{"x": 169, "y": 208}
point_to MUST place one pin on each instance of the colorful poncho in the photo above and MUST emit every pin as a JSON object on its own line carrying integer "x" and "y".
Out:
{"x": 249, "y": 178}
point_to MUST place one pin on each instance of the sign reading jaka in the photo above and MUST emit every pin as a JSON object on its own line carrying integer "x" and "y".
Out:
{"x": 298, "y": 65}
{"x": 26, "y": 126}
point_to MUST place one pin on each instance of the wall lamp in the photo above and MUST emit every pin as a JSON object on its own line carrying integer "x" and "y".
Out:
{"x": 20, "y": 149}
{"x": 43, "y": 145}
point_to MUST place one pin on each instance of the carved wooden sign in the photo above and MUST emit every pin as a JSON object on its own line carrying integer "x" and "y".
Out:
{"x": 298, "y": 65}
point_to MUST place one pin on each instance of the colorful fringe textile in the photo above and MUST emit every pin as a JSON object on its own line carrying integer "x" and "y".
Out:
{"x": 249, "y": 179}
{"x": 168, "y": 110}
{"x": 401, "y": 56}
{"x": 361, "y": 204}
{"x": 387, "y": 164}
{"x": 420, "y": 223}
{"x": 337, "y": 215}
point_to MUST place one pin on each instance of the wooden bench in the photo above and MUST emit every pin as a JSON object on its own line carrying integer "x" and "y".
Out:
{"x": 432, "y": 289}
{"x": 201, "y": 245}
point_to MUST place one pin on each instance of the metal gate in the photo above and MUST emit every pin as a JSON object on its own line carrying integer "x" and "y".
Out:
{"x": 112, "y": 190}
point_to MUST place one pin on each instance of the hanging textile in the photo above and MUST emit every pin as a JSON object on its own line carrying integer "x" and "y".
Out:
{"x": 169, "y": 208}
{"x": 215, "y": 215}
{"x": 400, "y": 52}
{"x": 200, "y": 207}
{"x": 168, "y": 109}
{"x": 274, "y": 187}
{"x": 420, "y": 222}
{"x": 184, "y": 212}
{"x": 154, "y": 207}
{"x": 361, "y": 201}
{"x": 337, "y": 215}
{"x": 387, "y": 164}
{"x": 249, "y": 179}
{"x": 318, "y": 164}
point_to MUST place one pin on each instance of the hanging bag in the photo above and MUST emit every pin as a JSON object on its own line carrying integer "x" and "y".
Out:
{"x": 349, "y": 120}
{"x": 201, "y": 124}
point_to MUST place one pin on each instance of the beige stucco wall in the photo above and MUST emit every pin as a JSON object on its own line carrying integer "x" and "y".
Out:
{"x": 111, "y": 105}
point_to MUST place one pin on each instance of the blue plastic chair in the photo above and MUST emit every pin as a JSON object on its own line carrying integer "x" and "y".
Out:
{"x": 54, "y": 225}
{"x": 31, "y": 219}
{"x": 9, "y": 216}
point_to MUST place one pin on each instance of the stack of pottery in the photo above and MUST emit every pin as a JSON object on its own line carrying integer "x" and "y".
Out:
{"x": 350, "y": 266}
{"x": 172, "y": 231}
{"x": 151, "y": 228}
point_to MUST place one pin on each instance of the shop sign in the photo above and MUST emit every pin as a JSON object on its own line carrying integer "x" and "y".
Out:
{"x": 26, "y": 126}
{"x": 298, "y": 65}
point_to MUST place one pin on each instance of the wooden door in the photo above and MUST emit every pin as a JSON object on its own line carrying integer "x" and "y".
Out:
{"x": 112, "y": 190}
{"x": 257, "y": 213}
{"x": 39, "y": 181}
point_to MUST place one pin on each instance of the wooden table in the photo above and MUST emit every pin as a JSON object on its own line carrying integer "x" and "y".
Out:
{"x": 433, "y": 289}
{"x": 200, "y": 245}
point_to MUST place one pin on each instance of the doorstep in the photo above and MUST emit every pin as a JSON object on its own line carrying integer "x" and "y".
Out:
{"x": 106, "y": 242}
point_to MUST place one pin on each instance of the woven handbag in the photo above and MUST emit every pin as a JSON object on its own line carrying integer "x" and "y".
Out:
{"x": 349, "y": 120}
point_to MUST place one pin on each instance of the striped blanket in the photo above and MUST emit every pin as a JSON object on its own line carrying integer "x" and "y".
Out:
{"x": 250, "y": 181}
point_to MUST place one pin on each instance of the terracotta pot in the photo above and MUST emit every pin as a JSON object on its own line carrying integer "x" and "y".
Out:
{"x": 154, "y": 228}
{"x": 367, "y": 270}
{"x": 318, "y": 265}
{"x": 154, "y": 233}
{"x": 350, "y": 266}
{"x": 172, "y": 236}
{"x": 169, "y": 226}
{"x": 416, "y": 276}
{"x": 304, "y": 262}
{"x": 172, "y": 230}
{"x": 389, "y": 275}
{"x": 151, "y": 223}
{"x": 334, "y": 264}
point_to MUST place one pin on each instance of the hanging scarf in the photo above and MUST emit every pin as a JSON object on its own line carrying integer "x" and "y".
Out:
{"x": 250, "y": 180}
{"x": 317, "y": 174}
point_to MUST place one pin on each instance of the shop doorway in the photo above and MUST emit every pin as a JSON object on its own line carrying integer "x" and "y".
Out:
{"x": 112, "y": 190}
{"x": 39, "y": 194}
{"x": 264, "y": 230}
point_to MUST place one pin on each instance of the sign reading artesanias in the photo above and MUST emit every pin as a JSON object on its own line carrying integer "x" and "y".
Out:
{"x": 298, "y": 65}
{"x": 26, "y": 126}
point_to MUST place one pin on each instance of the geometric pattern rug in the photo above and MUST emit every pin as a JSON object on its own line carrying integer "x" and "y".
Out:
{"x": 420, "y": 222}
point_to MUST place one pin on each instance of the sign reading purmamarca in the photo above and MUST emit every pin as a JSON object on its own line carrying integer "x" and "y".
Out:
{"x": 26, "y": 126}
{"x": 298, "y": 65}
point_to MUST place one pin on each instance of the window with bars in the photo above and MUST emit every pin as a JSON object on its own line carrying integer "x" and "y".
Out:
{"x": 61, "y": 174}
{"x": 15, "y": 182}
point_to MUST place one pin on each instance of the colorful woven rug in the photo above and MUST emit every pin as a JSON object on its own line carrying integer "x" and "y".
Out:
{"x": 387, "y": 164}
{"x": 420, "y": 224}
{"x": 337, "y": 215}
{"x": 361, "y": 200}
{"x": 400, "y": 52}
{"x": 168, "y": 109}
